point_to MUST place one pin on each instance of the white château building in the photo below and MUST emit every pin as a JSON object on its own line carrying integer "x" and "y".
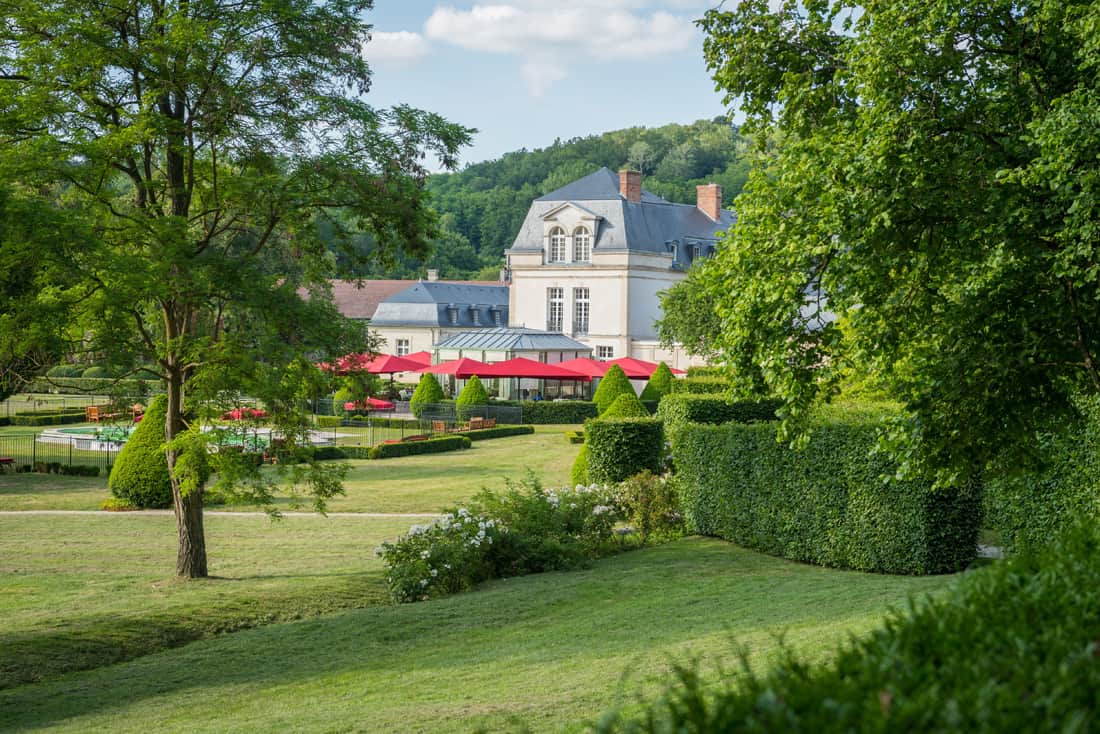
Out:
{"x": 592, "y": 256}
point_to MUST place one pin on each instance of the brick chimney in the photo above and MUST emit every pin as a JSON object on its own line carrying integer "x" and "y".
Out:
{"x": 709, "y": 200}
{"x": 630, "y": 185}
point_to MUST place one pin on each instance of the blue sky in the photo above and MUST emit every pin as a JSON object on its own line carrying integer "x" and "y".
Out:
{"x": 524, "y": 72}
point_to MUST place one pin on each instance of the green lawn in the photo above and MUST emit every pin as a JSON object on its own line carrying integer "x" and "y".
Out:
{"x": 551, "y": 649}
{"x": 408, "y": 484}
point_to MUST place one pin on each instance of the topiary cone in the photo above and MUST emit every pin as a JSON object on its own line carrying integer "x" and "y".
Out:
{"x": 140, "y": 474}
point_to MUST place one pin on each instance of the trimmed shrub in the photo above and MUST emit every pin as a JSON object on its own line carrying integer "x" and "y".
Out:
{"x": 65, "y": 370}
{"x": 1030, "y": 507}
{"x": 651, "y": 406}
{"x": 699, "y": 371}
{"x": 498, "y": 432}
{"x": 1011, "y": 647}
{"x": 47, "y": 419}
{"x": 620, "y": 448}
{"x": 679, "y": 408}
{"x": 343, "y": 395}
{"x": 660, "y": 383}
{"x": 93, "y": 386}
{"x": 79, "y": 470}
{"x": 574, "y": 436}
{"x": 427, "y": 392}
{"x": 329, "y": 421}
{"x": 579, "y": 473}
{"x": 542, "y": 412}
{"x": 626, "y": 406}
{"x": 701, "y": 386}
{"x": 5, "y": 421}
{"x": 96, "y": 372}
{"x": 832, "y": 503}
{"x": 473, "y": 393}
{"x": 409, "y": 448}
{"x": 140, "y": 474}
{"x": 613, "y": 384}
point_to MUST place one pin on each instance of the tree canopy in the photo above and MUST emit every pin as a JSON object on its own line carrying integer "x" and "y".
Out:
{"x": 199, "y": 141}
{"x": 931, "y": 169}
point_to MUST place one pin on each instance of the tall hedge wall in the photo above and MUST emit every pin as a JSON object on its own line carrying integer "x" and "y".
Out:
{"x": 1029, "y": 507}
{"x": 93, "y": 385}
{"x": 826, "y": 504}
{"x": 700, "y": 408}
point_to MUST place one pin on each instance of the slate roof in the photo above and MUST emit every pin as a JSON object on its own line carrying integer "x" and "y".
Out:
{"x": 513, "y": 339}
{"x": 624, "y": 225}
{"x": 469, "y": 305}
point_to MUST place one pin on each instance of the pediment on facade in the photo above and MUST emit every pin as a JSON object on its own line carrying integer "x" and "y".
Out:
{"x": 577, "y": 210}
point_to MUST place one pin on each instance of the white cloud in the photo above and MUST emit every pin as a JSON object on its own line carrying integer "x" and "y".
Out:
{"x": 398, "y": 47}
{"x": 545, "y": 34}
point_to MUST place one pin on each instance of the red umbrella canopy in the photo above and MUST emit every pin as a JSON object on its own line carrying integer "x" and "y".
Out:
{"x": 523, "y": 367}
{"x": 370, "y": 404}
{"x": 585, "y": 366}
{"x": 636, "y": 369}
{"x": 387, "y": 364}
{"x": 424, "y": 359}
{"x": 460, "y": 368}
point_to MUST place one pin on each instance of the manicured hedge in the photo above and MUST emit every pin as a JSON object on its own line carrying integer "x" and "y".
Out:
{"x": 700, "y": 385}
{"x": 429, "y": 446}
{"x": 47, "y": 419}
{"x": 828, "y": 503}
{"x": 5, "y": 421}
{"x": 1027, "y": 508}
{"x": 704, "y": 372}
{"x": 52, "y": 411}
{"x": 574, "y": 436}
{"x": 1010, "y": 648}
{"x": 384, "y": 421}
{"x": 498, "y": 432}
{"x": 140, "y": 474}
{"x": 329, "y": 421}
{"x": 542, "y": 412}
{"x": 93, "y": 386}
{"x": 620, "y": 448}
{"x": 680, "y": 408}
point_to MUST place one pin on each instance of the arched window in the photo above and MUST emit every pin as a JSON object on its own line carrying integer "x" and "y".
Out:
{"x": 557, "y": 245}
{"x": 582, "y": 245}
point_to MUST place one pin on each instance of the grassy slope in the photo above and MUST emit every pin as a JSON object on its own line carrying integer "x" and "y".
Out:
{"x": 409, "y": 484}
{"x": 550, "y": 649}
{"x": 77, "y": 592}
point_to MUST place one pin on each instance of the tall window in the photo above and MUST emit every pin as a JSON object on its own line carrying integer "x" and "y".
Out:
{"x": 605, "y": 353}
{"x": 581, "y": 309}
{"x": 555, "y": 308}
{"x": 582, "y": 245}
{"x": 557, "y": 245}
{"x": 402, "y": 347}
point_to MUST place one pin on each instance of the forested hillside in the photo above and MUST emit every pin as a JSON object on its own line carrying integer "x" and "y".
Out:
{"x": 482, "y": 206}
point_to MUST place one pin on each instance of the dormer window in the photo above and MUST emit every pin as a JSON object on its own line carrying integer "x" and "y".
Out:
{"x": 557, "y": 245}
{"x": 452, "y": 314}
{"x": 582, "y": 245}
{"x": 475, "y": 314}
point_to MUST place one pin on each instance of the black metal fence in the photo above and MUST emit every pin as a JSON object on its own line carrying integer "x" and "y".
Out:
{"x": 451, "y": 414}
{"x": 29, "y": 450}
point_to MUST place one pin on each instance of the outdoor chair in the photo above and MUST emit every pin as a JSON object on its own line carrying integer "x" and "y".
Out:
{"x": 439, "y": 427}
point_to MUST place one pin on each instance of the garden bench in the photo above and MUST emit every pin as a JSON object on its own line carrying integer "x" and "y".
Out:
{"x": 439, "y": 427}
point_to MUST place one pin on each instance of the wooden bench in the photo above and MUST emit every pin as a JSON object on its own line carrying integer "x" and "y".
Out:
{"x": 439, "y": 427}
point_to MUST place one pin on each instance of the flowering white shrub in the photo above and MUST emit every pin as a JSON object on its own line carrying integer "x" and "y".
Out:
{"x": 525, "y": 529}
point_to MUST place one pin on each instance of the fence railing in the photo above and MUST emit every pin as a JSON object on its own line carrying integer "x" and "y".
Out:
{"x": 27, "y": 450}
{"x": 451, "y": 413}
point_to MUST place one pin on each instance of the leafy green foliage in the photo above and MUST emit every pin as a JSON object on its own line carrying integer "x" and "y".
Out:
{"x": 620, "y": 448}
{"x": 702, "y": 386}
{"x": 140, "y": 474}
{"x": 65, "y": 370}
{"x": 427, "y": 392}
{"x": 931, "y": 174}
{"x": 651, "y": 506}
{"x": 340, "y": 399}
{"x": 482, "y": 434}
{"x": 919, "y": 671}
{"x": 659, "y": 384}
{"x": 542, "y": 412}
{"x": 1028, "y": 508}
{"x": 473, "y": 393}
{"x": 626, "y": 406}
{"x": 680, "y": 408}
{"x": 613, "y": 384}
{"x": 835, "y": 502}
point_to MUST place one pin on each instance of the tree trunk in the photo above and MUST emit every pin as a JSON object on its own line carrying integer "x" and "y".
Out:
{"x": 191, "y": 554}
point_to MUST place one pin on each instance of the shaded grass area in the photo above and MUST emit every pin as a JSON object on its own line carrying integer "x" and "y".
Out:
{"x": 550, "y": 650}
{"x": 408, "y": 484}
{"x": 82, "y": 592}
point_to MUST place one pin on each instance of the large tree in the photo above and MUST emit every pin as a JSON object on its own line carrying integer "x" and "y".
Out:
{"x": 198, "y": 140}
{"x": 931, "y": 167}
